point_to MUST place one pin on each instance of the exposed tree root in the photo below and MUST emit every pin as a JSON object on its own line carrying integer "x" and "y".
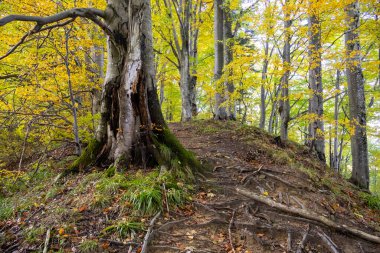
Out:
{"x": 148, "y": 235}
{"x": 310, "y": 215}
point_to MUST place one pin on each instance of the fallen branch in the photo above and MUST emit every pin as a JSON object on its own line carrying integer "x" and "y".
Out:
{"x": 47, "y": 240}
{"x": 309, "y": 215}
{"x": 144, "y": 248}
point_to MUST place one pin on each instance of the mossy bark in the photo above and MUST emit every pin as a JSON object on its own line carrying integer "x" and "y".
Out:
{"x": 132, "y": 128}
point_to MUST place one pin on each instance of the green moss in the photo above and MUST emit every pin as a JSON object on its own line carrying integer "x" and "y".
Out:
{"x": 88, "y": 156}
{"x": 184, "y": 156}
{"x": 281, "y": 157}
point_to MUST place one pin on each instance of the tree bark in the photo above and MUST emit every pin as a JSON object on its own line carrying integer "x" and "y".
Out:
{"x": 262, "y": 88}
{"x": 186, "y": 52}
{"x": 335, "y": 158}
{"x": 284, "y": 106}
{"x": 316, "y": 127}
{"x": 355, "y": 80}
{"x": 228, "y": 58}
{"x": 220, "y": 111}
{"x": 132, "y": 129}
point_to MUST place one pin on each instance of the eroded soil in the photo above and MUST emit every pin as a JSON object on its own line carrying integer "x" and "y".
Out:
{"x": 225, "y": 221}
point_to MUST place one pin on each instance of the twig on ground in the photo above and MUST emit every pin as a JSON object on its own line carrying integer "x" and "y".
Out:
{"x": 280, "y": 197}
{"x": 118, "y": 243}
{"x": 309, "y": 215}
{"x": 169, "y": 224}
{"x": 47, "y": 240}
{"x": 280, "y": 180}
{"x": 328, "y": 241}
{"x": 289, "y": 242}
{"x": 251, "y": 175}
{"x": 144, "y": 248}
{"x": 297, "y": 201}
{"x": 230, "y": 231}
{"x": 303, "y": 241}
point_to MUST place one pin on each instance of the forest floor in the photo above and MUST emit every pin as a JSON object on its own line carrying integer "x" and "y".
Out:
{"x": 258, "y": 195}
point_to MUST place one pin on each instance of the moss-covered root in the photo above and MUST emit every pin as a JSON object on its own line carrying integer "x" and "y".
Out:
{"x": 88, "y": 156}
{"x": 186, "y": 157}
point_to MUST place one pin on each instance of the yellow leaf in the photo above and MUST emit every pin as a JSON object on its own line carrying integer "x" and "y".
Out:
{"x": 61, "y": 231}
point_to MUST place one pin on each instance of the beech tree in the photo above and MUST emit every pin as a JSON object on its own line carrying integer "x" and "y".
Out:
{"x": 284, "y": 105}
{"x": 355, "y": 80}
{"x": 316, "y": 128}
{"x": 131, "y": 128}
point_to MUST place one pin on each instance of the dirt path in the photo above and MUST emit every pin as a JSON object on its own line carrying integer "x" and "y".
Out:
{"x": 224, "y": 221}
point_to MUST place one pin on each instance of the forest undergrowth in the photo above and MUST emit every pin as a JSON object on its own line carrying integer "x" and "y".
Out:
{"x": 254, "y": 196}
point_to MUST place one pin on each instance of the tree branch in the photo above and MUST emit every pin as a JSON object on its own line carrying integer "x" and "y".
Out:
{"x": 90, "y": 13}
{"x": 41, "y": 21}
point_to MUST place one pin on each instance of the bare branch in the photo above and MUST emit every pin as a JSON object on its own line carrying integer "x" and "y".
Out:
{"x": 90, "y": 13}
{"x": 41, "y": 21}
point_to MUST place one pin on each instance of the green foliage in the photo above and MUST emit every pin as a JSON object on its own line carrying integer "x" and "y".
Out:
{"x": 34, "y": 234}
{"x": 6, "y": 208}
{"x": 373, "y": 201}
{"x": 110, "y": 185}
{"x": 12, "y": 181}
{"x": 124, "y": 228}
{"x": 146, "y": 193}
{"x": 88, "y": 246}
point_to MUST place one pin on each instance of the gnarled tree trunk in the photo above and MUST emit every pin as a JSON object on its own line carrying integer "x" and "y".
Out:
{"x": 132, "y": 129}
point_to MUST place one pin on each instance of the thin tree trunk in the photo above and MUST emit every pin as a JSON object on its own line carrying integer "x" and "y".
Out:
{"x": 73, "y": 105}
{"x": 220, "y": 111}
{"x": 262, "y": 88}
{"x": 316, "y": 129}
{"x": 335, "y": 164}
{"x": 284, "y": 106}
{"x": 355, "y": 80}
{"x": 228, "y": 58}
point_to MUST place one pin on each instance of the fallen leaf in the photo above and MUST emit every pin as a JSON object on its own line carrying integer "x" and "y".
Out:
{"x": 61, "y": 231}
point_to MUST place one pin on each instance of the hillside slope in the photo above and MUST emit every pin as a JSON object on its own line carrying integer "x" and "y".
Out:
{"x": 258, "y": 195}
{"x": 225, "y": 220}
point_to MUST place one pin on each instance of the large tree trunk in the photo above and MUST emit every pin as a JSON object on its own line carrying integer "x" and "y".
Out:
{"x": 316, "y": 127}
{"x": 220, "y": 111}
{"x": 132, "y": 129}
{"x": 355, "y": 80}
{"x": 284, "y": 106}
